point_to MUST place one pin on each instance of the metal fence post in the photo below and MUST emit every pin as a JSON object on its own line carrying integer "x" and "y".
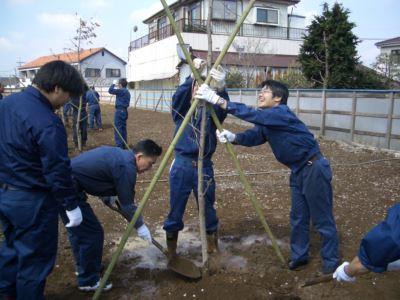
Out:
{"x": 297, "y": 102}
{"x": 323, "y": 113}
{"x": 240, "y": 95}
{"x": 353, "y": 115}
{"x": 390, "y": 121}
{"x": 256, "y": 99}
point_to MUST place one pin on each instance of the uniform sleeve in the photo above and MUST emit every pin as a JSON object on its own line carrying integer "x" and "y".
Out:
{"x": 263, "y": 117}
{"x": 125, "y": 182}
{"x": 113, "y": 91}
{"x": 52, "y": 143}
{"x": 181, "y": 100}
{"x": 221, "y": 113}
{"x": 251, "y": 137}
{"x": 381, "y": 245}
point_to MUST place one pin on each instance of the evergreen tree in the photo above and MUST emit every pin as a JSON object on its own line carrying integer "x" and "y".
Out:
{"x": 328, "y": 55}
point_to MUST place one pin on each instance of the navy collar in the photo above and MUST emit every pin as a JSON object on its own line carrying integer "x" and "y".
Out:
{"x": 37, "y": 94}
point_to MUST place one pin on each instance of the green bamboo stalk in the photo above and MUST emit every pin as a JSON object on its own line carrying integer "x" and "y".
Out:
{"x": 229, "y": 147}
{"x": 171, "y": 148}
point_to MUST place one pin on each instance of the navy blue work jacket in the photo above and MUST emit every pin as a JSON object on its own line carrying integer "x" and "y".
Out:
{"x": 108, "y": 171}
{"x": 92, "y": 97}
{"x": 123, "y": 97}
{"x": 188, "y": 144}
{"x": 33, "y": 147}
{"x": 290, "y": 140}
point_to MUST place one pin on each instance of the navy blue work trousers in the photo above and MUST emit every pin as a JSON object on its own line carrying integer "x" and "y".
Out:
{"x": 27, "y": 255}
{"x": 120, "y": 117}
{"x": 183, "y": 180}
{"x": 87, "y": 244}
{"x": 94, "y": 116}
{"x": 311, "y": 191}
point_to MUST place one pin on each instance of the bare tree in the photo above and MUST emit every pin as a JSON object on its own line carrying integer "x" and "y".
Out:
{"x": 84, "y": 34}
{"x": 388, "y": 65}
{"x": 248, "y": 57}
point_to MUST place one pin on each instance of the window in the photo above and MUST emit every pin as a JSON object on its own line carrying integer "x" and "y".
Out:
{"x": 113, "y": 73}
{"x": 224, "y": 9}
{"x": 267, "y": 16}
{"x": 395, "y": 56}
{"x": 194, "y": 13}
{"x": 90, "y": 72}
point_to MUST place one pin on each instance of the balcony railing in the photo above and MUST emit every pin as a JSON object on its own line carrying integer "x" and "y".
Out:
{"x": 220, "y": 27}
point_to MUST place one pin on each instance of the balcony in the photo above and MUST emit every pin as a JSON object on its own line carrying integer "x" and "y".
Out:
{"x": 220, "y": 27}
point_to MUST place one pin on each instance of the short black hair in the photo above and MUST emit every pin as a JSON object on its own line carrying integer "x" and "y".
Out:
{"x": 278, "y": 89}
{"x": 147, "y": 147}
{"x": 123, "y": 82}
{"x": 59, "y": 73}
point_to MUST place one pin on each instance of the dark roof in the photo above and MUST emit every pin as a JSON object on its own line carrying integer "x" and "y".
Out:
{"x": 259, "y": 60}
{"x": 389, "y": 42}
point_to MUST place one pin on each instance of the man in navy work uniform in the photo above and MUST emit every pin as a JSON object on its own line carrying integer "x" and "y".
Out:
{"x": 123, "y": 98}
{"x": 294, "y": 146}
{"x": 35, "y": 179}
{"x": 379, "y": 250}
{"x": 76, "y": 107}
{"x": 105, "y": 172}
{"x": 183, "y": 177}
{"x": 93, "y": 99}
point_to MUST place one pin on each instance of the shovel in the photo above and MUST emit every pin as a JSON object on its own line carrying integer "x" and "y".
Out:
{"x": 179, "y": 265}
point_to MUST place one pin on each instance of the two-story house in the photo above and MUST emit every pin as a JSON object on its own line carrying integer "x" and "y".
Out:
{"x": 268, "y": 42}
{"x": 390, "y": 49}
{"x": 99, "y": 66}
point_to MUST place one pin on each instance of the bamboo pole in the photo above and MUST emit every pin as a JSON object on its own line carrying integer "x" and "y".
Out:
{"x": 175, "y": 140}
{"x": 229, "y": 146}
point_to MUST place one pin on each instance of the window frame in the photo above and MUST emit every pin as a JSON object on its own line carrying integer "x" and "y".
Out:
{"x": 224, "y": 18}
{"x": 265, "y": 8}
{"x": 97, "y": 72}
{"x": 110, "y": 70}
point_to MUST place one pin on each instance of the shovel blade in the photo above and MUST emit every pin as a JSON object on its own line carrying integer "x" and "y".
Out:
{"x": 184, "y": 267}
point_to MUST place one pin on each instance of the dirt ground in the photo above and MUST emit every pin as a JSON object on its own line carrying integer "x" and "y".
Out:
{"x": 366, "y": 183}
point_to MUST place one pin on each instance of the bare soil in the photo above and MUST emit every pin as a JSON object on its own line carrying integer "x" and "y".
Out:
{"x": 250, "y": 269}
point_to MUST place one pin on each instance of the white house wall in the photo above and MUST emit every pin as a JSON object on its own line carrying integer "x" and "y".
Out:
{"x": 154, "y": 61}
{"x": 159, "y": 60}
{"x": 108, "y": 61}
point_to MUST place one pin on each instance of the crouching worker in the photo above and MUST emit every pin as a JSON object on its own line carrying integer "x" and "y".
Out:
{"x": 294, "y": 146}
{"x": 183, "y": 177}
{"x": 379, "y": 250}
{"x": 35, "y": 180}
{"x": 105, "y": 172}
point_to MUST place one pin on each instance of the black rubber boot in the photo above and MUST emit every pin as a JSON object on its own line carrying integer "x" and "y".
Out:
{"x": 172, "y": 242}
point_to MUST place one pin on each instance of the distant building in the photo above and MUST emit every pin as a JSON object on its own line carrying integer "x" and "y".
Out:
{"x": 10, "y": 82}
{"x": 99, "y": 66}
{"x": 267, "y": 43}
{"x": 391, "y": 49}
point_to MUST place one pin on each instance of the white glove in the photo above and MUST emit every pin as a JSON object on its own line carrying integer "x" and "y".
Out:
{"x": 394, "y": 266}
{"x": 205, "y": 93}
{"x": 115, "y": 82}
{"x": 340, "y": 274}
{"x": 74, "y": 216}
{"x": 144, "y": 233}
{"x": 198, "y": 63}
{"x": 219, "y": 76}
{"x": 225, "y": 136}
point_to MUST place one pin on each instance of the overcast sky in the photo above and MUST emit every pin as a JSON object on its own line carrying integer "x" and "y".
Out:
{"x": 32, "y": 28}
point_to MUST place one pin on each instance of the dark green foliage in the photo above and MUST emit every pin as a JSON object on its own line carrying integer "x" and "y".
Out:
{"x": 338, "y": 51}
{"x": 235, "y": 79}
